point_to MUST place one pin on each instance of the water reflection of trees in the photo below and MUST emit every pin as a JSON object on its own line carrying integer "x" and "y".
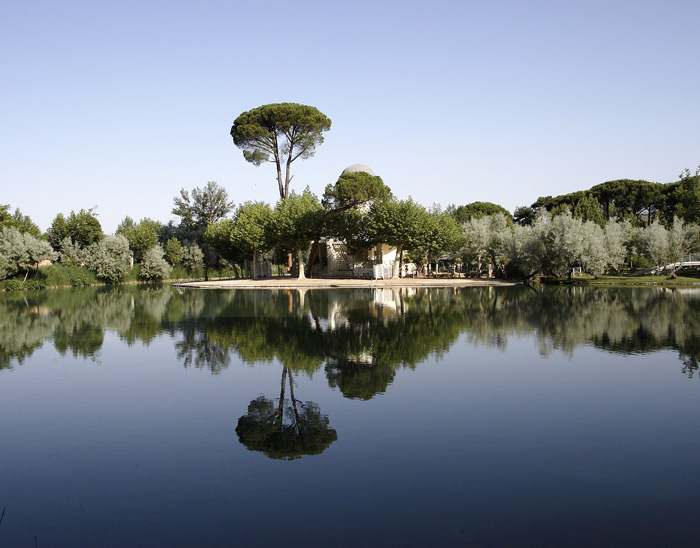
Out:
{"x": 359, "y": 337}
{"x": 285, "y": 428}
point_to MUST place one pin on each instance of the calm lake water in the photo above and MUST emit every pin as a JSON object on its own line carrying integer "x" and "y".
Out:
{"x": 396, "y": 417}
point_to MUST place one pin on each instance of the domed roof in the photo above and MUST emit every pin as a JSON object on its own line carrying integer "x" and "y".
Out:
{"x": 357, "y": 167}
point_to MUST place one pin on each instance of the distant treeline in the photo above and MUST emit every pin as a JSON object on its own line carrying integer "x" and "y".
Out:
{"x": 637, "y": 201}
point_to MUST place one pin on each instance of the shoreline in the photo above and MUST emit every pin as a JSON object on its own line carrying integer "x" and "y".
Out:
{"x": 332, "y": 283}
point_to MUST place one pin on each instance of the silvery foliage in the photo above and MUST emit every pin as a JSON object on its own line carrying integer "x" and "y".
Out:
{"x": 619, "y": 237}
{"x": 71, "y": 253}
{"x": 154, "y": 266}
{"x": 21, "y": 251}
{"x": 654, "y": 244}
{"x": 682, "y": 239}
{"x": 192, "y": 257}
{"x": 555, "y": 245}
{"x": 109, "y": 258}
{"x": 664, "y": 246}
{"x": 487, "y": 237}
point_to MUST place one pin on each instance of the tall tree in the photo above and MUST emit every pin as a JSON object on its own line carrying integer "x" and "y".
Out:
{"x": 280, "y": 133}
{"x": 207, "y": 205}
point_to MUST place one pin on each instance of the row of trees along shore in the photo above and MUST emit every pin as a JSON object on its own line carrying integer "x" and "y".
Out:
{"x": 480, "y": 235}
{"x": 609, "y": 227}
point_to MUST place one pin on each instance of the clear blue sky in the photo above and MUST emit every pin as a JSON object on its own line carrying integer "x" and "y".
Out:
{"x": 121, "y": 104}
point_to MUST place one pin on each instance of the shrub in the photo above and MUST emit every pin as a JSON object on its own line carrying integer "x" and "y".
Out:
{"x": 13, "y": 285}
{"x": 35, "y": 284}
{"x": 154, "y": 266}
{"x": 109, "y": 259}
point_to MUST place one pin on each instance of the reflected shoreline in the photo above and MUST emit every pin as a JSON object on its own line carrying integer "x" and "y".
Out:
{"x": 357, "y": 337}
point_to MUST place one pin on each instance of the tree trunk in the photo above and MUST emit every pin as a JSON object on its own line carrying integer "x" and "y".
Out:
{"x": 314, "y": 247}
{"x": 300, "y": 260}
{"x": 255, "y": 264}
{"x": 397, "y": 261}
{"x": 278, "y": 165}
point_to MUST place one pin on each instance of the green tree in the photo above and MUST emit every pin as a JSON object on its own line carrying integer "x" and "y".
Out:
{"x": 198, "y": 211}
{"x": 686, "y": 196}
{"x": 524, "y": 216}
{"x": 295, "y": 223}
{"x": 587, "y": 208}
{"x": 21, "y": 222}
{"x": 399, "y": 223}
{"x": 351, "y": 190}
{"x": 82, "y": 228}
{"x": 141, "y": 236}
{"x": 476, "y": 210}
{"x": 440, "y": 234}
{"x": 204, "y": 207}
{"x": 251, "y": 230}
{"x": 173, "y": 251}
{"x": 280, "y": 133}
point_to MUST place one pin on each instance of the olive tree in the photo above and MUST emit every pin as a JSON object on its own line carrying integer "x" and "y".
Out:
{"x": 154, "y": 266}
{"x": 21, "y": 251}
{"x": 654, "y": 244}
{"x": 486, "y": 237}
{"x": 110, "y": 258}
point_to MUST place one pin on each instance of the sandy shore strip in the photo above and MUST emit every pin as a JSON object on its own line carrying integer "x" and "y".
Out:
{"x": 321, "y": 283}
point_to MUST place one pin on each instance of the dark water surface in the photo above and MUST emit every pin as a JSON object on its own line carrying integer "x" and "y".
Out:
{"x": 431, "y": 417}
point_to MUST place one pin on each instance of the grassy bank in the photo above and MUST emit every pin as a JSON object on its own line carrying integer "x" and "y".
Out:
{"x": 57, "y": 276}
{"x": 682, "y": 279}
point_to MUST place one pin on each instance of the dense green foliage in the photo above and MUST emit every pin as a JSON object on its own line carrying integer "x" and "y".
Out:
{"x": 640, "y": 202}
{"x": 295, "y": 223}
{"x": 475, "y": 210}
{"x": 205, "y": 206}
{"x": 141, "y": 237}
{"x": 82, "y": 228}
{"x": 21, "y": 222}
{"x": 280, "y": 133}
